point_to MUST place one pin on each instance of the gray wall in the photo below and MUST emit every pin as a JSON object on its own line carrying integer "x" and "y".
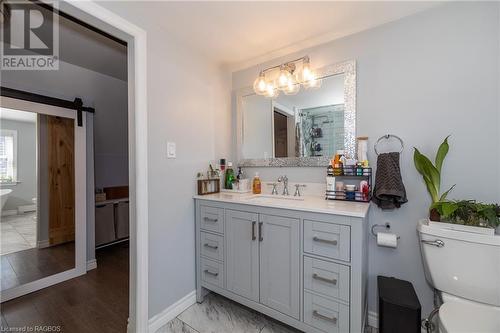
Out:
{"x": 422, "y": 78}
{"x": 106, "y": 94}
{"x": 188, "y": 103}
{"x": 23, "y": 192}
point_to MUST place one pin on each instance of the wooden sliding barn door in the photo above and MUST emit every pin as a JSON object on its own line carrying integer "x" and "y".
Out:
{"x": 61, "y": 157}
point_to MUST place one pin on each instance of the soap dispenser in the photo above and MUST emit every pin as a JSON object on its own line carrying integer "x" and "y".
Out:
{"x": 256, "y": 184}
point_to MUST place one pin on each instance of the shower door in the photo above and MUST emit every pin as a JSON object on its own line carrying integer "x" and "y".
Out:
{"x": 43, "y": 222}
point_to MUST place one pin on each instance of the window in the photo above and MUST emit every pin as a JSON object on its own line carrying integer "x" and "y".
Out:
{"x": 8, "y": 156}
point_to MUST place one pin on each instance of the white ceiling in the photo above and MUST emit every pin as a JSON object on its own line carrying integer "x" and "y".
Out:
{"x": 239, "y": 34}
{"x": 16, "y": 115}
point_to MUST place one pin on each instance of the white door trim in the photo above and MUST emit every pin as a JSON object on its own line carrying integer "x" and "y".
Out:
{"x": 100, "y": 17}
{"x": 80, "y": 198}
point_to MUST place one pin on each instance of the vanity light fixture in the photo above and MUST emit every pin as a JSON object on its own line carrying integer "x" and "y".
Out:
{"x": 286, "y": 78}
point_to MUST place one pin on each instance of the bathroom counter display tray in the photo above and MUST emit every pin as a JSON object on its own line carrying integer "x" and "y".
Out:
{"x": 350, "y": 174}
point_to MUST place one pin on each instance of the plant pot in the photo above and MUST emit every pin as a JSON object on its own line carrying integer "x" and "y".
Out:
{"x": 462, "y": 228}
{"x": 434, "y": 215}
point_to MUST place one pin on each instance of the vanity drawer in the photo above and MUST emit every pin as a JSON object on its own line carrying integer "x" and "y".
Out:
{"x": 325, "y": 315}
{"x": 327, "y": 239}
{"x": 212, "y": 219}
{"x": 212, "y": 272}
{"x": 326, "y": 278}
{"x": 212, "y": 246}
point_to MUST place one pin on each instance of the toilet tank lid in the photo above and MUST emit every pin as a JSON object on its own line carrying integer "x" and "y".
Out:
{"x": 423, "y": 227}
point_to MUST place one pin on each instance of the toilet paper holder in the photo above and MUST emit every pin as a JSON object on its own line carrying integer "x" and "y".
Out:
{"x": 387, "y": 226}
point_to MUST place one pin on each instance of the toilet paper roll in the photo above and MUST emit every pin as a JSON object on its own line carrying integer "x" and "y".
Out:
{"x": 387, "y": 239}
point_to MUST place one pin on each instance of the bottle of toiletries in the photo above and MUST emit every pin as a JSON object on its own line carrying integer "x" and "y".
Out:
{"x": 337, "y": 166}
{"x": 230, "y": 178}
{"x": 256, "y": 185}
{"x": 239, "y": 176}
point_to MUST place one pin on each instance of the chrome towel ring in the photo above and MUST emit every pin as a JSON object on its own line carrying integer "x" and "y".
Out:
{"x": 387, "y": 137}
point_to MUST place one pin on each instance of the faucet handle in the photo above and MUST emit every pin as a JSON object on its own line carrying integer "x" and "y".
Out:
{"x": 297, "y": 189}
{"x": 275, "y": 189}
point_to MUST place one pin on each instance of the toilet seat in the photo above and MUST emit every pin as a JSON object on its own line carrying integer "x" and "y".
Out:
{"x": 460, "y": 317}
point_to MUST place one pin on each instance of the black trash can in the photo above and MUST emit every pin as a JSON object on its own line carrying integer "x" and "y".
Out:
{"x": 399, "y": 309}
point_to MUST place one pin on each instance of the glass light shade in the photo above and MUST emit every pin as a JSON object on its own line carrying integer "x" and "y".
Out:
{"x": 307, "y": 73}
{"x": 314, "y": 83}
{"x": 260, "y": 84}
{"x": 284, "y": 78}
{"x": 271, "y": 91}
{"x": 292, "y": 88}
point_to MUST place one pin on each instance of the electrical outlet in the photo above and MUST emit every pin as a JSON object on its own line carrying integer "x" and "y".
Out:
{"x": 171, "y": 150}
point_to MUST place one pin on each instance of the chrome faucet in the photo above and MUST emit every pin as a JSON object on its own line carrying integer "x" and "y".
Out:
{"x": 284, "y": 179}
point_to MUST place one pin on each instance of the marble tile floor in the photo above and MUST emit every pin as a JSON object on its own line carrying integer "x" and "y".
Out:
{"x": 221, "y": 315}
{"x": 17, "y": 233}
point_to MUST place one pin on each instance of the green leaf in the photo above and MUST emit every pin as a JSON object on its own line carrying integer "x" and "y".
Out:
{"x": 445, "y": 194}
{"x": 429, "y": 171}
{"x": 431, "y": 189}
{"x": 448, "y": 208}
{"x": 441, "y": 153}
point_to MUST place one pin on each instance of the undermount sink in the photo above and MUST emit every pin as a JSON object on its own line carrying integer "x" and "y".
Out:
{"x": 272, "y": 197}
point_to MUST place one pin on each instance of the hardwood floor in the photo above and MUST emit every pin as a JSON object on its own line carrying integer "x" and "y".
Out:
{"x": 33, "y": 264}
{"x": 95, "y": 302}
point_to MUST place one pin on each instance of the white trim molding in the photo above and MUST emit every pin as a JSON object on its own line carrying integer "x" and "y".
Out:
{"x": 43, "y": 244}
{"x": 91, "y": 264}
{"x": 162, "y": 318}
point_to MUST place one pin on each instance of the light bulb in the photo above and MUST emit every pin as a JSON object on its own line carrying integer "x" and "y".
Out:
{"x": 271, "y": 91}
{"x": 260, "y": 85}
{"x": 292, "y": 88}
{"x": 313, "y": 83}
{"x": 284, "y": 78}
{"x": 307, "y": 73}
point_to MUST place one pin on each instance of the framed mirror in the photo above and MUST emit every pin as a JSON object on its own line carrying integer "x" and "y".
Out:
{"x": 43, "y": 196}
{"x": 305, "y": 129}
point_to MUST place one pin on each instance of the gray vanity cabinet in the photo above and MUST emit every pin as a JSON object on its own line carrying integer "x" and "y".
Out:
{"x": 279, "y": 263}
{"x": 307, "y": 269}
{"x": 242, "y": 254}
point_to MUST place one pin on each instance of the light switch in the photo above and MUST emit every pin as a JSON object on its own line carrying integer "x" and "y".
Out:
{"x": 171, "y": 153}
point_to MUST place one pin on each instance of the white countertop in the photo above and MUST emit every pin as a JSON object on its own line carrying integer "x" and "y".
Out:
{"x": 314, "y": 204}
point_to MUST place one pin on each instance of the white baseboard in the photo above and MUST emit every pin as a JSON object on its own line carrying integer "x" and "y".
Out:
{"x": 43, "y": 244}
{"x": 91, "y": 264}
{"x": 373, "y": 319}
{"x": 26, "y": 208}
{"x": 157, "y": 321}
{"x": 9, "y": 212}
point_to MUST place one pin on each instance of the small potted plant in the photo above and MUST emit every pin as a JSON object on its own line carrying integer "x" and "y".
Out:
{"x": 431, "y": 173}
{"x": 469, "y": 215}
{"x": 464, "y": 215}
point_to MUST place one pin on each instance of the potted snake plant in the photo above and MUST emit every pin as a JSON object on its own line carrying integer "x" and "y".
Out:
{"x": 463, "y": 215}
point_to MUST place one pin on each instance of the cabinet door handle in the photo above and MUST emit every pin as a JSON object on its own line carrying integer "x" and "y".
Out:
{"x": 320, "y": 316}
{"x": 211, "y": 273}
{"x": 261, "y": 237}
{"x": 208, "y": 219}
{"x": 253, "y": 230}
{"x": 320, "y": 278}
{"x": 215, "y": 247}
{"x": 328, "y": 241}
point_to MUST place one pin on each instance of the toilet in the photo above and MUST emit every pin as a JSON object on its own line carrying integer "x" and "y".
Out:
{"x": 464, "y": 267}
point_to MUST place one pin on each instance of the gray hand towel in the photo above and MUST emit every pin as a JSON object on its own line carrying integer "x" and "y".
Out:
{"x": 389, "y": 191}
